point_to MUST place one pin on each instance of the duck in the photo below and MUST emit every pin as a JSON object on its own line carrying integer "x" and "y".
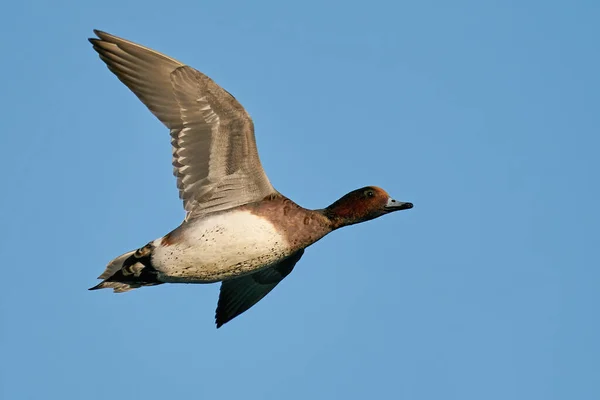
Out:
{"x": 238, "y": 229}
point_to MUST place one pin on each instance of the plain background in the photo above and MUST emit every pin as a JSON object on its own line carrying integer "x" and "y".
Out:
{"x": 485, "y": 114}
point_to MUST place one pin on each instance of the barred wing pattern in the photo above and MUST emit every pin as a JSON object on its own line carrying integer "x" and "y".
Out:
{"x": 215, "y": 158}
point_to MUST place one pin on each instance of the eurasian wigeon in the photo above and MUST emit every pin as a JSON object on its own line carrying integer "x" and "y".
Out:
{"x": 238, "y": 229}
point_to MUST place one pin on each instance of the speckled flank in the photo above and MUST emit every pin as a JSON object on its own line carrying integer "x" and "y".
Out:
{"x": 218, "y": 247}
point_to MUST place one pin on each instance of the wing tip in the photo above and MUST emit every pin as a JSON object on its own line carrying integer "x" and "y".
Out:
{"x": 221, "y": 315}
{"x": 219, "y": 320}
{"x": 98, "y": 37}
{"x": 101, "y": 34}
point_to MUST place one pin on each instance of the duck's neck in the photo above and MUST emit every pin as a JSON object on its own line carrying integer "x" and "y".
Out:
{"x": 340, "y": 214}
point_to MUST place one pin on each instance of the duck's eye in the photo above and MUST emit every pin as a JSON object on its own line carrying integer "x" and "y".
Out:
{"x": 370, "y": 193}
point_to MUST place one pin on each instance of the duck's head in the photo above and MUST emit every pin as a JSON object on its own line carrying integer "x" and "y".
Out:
{"x": 363, "y": 205}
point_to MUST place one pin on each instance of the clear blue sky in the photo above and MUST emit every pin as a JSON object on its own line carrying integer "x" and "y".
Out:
{"x": 486, "y": 115}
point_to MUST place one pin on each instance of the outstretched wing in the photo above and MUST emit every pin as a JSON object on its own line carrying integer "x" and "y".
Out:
{"x": 215, "y": 158}
{"x": 239, "y": 294}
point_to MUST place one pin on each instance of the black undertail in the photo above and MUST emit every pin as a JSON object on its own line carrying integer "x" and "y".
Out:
{"x": 137, "y": 271}
{"x": 146, "y": 276}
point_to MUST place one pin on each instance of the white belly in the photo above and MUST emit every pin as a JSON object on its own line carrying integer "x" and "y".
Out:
{"x": 219, "y": 247}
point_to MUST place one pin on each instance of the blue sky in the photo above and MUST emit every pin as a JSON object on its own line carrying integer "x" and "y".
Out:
{"x": 485, "y": 115}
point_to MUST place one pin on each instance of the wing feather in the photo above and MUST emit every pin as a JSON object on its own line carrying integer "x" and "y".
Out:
{"x": 215, "y": 158}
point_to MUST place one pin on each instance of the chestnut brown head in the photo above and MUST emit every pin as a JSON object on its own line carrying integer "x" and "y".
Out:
{"x": 363, "y": 205}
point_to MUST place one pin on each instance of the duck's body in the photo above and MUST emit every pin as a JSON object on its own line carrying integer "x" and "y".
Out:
{"x": 219, "y": 247}
{"x": 238, "y": 228}
{"x": 236, "y": 242}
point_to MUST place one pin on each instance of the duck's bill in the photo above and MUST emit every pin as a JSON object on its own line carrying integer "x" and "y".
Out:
{"x": 394, "y": 205}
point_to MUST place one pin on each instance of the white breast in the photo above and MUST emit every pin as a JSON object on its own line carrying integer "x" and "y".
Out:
{"x": 219, "y": 247}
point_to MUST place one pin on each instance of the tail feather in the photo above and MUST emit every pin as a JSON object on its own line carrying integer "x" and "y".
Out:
{"x": 129, "y": 271}
{"x": 115, "y": 265}
{"x": 117, "y": 287}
